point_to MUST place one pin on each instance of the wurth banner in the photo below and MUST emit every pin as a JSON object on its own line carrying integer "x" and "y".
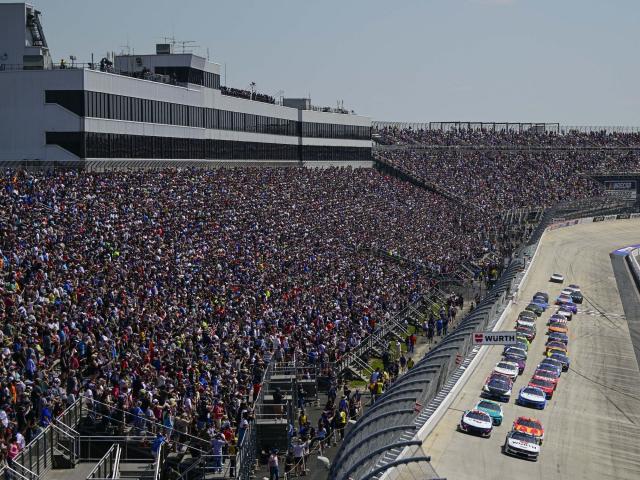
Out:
{"x": 495, "y": 338}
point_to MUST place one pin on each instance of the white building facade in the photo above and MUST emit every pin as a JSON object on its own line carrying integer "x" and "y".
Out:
{"x": 161, "y": 108}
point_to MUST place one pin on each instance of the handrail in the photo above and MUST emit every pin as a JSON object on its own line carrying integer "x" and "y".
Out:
{"x": 157, "y": 471}
{"x": 116, "y": 464}
{"x": 115, "y": 448}
{"x": 33, "y": 474}
{"x": 15, "y": 472}
{"x": 156, "y": 424}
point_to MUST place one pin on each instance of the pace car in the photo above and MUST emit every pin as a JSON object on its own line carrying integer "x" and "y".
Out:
{"x": 510, "y": 369}
{"x": 476, "y": 422}
{"x": 493, "y": 409}
{"x": 545, "y": 385}
{"x": 557, "y": 278}
{"x": 523, "y": 445}
{"x": 498, "y": 386}
{"x": 532, "y": 397}
{"x": 529, "y": 425}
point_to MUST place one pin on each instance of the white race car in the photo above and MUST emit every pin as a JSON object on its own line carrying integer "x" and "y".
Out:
{"x": 523, "y": 445}
{"x": 574, "y": 288}
{"x": 557, "y": 278}
{"x": 566, "y": 291}
{"x": 476, "y": 422}
{"x": 525, "y": 322}
{"x": 510, "y": 369}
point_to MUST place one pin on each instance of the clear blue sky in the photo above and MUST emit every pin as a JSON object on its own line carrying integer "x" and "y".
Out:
{"x": 576, "y": 62}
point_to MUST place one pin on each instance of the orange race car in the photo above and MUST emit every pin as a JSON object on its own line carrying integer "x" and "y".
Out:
{"x": 531, "y": 426}
{"x": 560, "y": 327}
{"x": 554, "y": 345}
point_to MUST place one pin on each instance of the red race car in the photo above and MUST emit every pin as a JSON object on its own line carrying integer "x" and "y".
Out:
{"x": 546, "y": 386}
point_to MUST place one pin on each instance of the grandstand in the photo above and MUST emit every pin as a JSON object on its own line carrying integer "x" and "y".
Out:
{"x": 173, "y": 322}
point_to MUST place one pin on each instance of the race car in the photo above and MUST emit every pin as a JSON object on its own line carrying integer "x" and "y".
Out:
{"x": 563, "y": 359}
{"x": 535, "y": 308}
{"x": 550, "y": 375}
{"x": 558, "y": 337}
{"x": 577, "y": 297}
{"x": 529, "y": 425}
{"x": 566, "y": 291}
{"x": 546, "y": 386}
{"x": 476, "y": 422}
{"x": 543, "y": 295}
{"x": 532, "y": 397}
{"x": 518, "y": 360}
{"x": 493, "y": 409}
{"x": 525, "y": 322}
{"x": 541, "y": 302}
{"x": 528, "y": 331}
{"x": 520, "y": 337}
{"x": 558, "y": 327}
{"x": 552, "y": 363}
{"x": 553, "y": 344}
{"x": 573, "y": 287}
{"x": 566, "y": 313}
{"x": 510, "y": 369}
{"x": 516, "y": 351}
{"x": 523, "y": 345}
{"x": 557, "y": 317}
{"x": 557, "y": 278}
{"x": 498, "y": 386}
{"x": 567, "y": 302}
{"x": 528, "y": 315}
{"x": 523, "y": 445}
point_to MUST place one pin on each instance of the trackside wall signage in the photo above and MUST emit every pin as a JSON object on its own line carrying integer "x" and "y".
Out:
{"x": 495, "y": 338}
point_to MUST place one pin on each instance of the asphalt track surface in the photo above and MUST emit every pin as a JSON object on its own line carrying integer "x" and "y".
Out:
{"x": 592, "y": 424}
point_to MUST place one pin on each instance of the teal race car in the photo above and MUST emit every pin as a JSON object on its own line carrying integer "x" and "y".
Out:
{"x": 494, "y": 409}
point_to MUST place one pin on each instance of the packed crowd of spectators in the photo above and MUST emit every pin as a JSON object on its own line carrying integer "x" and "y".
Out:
{"x": 502, "y": 179}
{"x": 165, "y": 294}
{"x": 249, "y": 95}
{"x": 506, "y": 138}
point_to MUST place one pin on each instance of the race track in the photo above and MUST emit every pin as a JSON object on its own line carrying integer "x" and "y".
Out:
{"x": 592, "y": 424}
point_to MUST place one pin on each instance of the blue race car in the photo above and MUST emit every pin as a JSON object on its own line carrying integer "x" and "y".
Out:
{"x": 558, "y": 337}
{"x": 541, "y": 302}
{"x": 551, "y": 363}
{"x": 532, "y": 397}
{"x": 567, "y": 302}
